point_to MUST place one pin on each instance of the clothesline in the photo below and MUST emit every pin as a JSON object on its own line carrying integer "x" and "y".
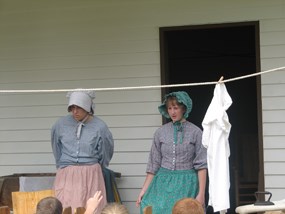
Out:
{"x": 145, "y": 87}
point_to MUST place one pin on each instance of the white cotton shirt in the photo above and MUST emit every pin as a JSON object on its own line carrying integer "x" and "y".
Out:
{"x": 215, "y": 138}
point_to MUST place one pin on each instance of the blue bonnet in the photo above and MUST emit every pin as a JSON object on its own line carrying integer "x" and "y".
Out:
{"x": 182, "y": 97}
{"x": 83, "y": 99}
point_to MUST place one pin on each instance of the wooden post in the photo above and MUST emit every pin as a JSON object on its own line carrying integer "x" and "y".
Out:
{"x": 4, "y": 210}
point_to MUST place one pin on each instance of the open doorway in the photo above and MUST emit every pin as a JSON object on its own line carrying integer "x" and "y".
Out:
{"x": 204, "y": 53}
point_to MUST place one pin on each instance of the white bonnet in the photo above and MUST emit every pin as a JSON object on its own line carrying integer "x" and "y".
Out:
{"x": 83, "y": 99}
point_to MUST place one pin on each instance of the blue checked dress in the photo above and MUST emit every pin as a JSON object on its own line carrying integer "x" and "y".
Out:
{"x": 176, "y": 155}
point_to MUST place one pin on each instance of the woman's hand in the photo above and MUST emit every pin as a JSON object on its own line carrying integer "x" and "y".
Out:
{"x": 201, "y": 199}
{"x": 93, "y": 203}
{"x": 147, "y": 181}
{"x": 202, "y": 176}
{"x": 140, "y": 198}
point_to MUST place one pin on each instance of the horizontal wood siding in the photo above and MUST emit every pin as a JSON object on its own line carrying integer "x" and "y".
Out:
{"x": 97, "y": 44}
{"x": 273, "y": 104}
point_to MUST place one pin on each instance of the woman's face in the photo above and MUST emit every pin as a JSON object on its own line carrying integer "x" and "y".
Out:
{"x": 78, "y": 113}
{"x": 175, "y": 110}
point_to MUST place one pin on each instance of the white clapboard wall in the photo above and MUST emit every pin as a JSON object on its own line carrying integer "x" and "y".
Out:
{"x": 96, "y": 44}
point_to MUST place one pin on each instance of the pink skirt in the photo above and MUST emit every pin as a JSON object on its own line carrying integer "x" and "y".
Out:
{"x": 74, "y": 185}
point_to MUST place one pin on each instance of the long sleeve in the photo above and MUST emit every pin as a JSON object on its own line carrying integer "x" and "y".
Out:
{"x": 155, "y": 156}
{"x": 55, "y": 144}
{"x": 200, "y": 160}
{"x": 106, "y": 147}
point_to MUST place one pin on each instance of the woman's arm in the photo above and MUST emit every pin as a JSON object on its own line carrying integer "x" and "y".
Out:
{"x": 107, "y": 147}
{"x": 202, "y": 176}
{"x": 55, "y": 144}
{"x": 147, "y": 182}
{"x": 154, "y": 163}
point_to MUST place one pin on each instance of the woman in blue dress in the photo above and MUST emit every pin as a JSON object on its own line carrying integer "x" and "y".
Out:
{"x": 177, "y": 166}
{"x": 82, "y": 145}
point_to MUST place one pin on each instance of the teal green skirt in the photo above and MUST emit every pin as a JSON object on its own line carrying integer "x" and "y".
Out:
{"x": 167, "y": 187}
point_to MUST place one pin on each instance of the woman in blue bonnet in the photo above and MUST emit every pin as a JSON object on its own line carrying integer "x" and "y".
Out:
{"x": 82, "y": 144}
{"x": 177, "y": 165}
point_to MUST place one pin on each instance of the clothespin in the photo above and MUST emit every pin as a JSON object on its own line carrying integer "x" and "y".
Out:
{"x": 221, "y": 79}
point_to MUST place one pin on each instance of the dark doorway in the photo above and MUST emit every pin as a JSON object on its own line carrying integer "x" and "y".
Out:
{"x": 192, "y": 54}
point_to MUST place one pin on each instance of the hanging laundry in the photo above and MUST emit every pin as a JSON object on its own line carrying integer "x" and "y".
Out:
{"x": 215, "y": 138}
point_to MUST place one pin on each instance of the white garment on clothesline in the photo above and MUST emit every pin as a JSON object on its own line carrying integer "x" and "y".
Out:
{"x": 215, "y": 138}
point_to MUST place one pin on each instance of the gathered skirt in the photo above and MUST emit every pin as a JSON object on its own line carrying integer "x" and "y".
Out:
{"x": 167, "y": 187}
{"x": 74, "y": 185}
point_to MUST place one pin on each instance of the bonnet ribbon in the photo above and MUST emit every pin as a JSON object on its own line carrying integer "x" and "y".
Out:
{"x": 178, "y": 127}
{"x": 79, "y": 126}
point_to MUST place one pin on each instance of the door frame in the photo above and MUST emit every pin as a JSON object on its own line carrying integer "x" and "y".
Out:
{"x": 165, "y": 77}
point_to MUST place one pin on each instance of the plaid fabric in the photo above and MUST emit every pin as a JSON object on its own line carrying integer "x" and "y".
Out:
{"x": 190, "y": 154}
